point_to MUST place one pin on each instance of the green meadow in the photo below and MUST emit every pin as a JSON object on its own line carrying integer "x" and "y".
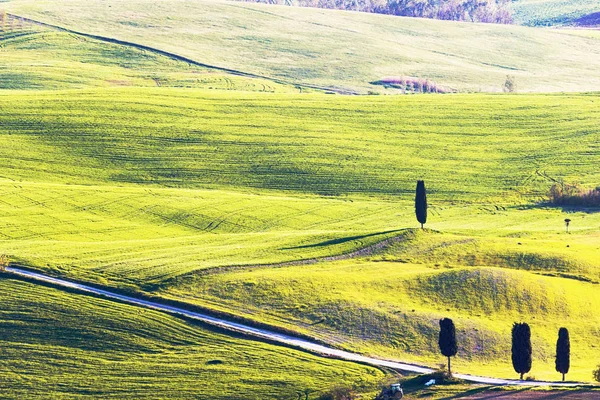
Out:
{"x": 338, "y": 49}
{"x": 553, "y": 12}
{"x": 60, "y": 345}
{"x": 263, "y": 199}
{"x": 197, "y": 199}
{"x": 38, "y": 58}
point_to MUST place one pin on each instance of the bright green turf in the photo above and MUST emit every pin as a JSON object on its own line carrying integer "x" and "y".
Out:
{"x": 40, "y": 58}
{"x": 392, "y": 309}
{"x": 470, "y": 148}
{"x": 93, "y": 191}
{"x": 67, "y": 177}
{"x": 553, "y": 12}
{"x": 336, "y": 48}
{"x": 60, "y": 345}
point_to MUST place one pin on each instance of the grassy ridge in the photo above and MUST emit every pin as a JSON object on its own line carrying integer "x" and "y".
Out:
{"x": 553, "y": 12}
{"x": 35, "y": 57}
{"x": 71, "y": 177}
{"x": 334, "y": 48}
{"x": 61, "y": 345}
{"x": 393, "y": 309}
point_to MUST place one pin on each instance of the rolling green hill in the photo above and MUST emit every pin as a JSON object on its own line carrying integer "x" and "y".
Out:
{"x": 555, "y": 12}
{"x": 93, "y": 191}
{"x": 392, "y": 308}
{"x": 61, "y": 345}
{"x": 35, "y": 57}
{"x": 334, "y": 48}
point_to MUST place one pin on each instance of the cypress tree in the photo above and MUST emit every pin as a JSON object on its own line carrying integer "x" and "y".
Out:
{"x": 421, "y": 203}
{"x": 563, "y": 352}
{"x": 521, "y": 348}
{"x": 447, "y": 340}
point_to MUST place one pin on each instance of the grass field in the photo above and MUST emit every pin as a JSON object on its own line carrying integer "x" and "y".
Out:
{"x": 392, "y": 308}
{"x": 61, "y": 345}
{"x": 553, "y": 12}
{"x": 337, "y": 49}
{"x": 208, "y": 179}
{"x": 34, "y": 57}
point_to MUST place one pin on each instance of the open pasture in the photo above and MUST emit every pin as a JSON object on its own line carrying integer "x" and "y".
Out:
{"x": 93, "y": 191}
{"x": 62, "y": 345}
{"x": 337, "y": 49}
{"x": 40, "y": 58}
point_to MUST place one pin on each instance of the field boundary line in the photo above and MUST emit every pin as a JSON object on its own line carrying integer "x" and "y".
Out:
{"x": 178, "y": 57}
{"x": 360, "y": 252}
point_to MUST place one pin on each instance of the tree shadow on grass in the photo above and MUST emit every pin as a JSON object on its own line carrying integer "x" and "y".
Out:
{"x": 563, "y": 208}
{"x": 494, "y": 394}
{"x": 341, "y": 240}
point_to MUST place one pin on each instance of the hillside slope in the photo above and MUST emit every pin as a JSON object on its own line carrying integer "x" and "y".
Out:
{"x": 102, "y": 349}
{"x": 37, "y": 57}
{"x": 334, "y": 48}
{"x": 183, "y": 192}
{"x": 557, "y": 12}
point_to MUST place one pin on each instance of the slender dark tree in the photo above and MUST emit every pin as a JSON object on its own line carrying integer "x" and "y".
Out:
{"x": 447, "y": 340}
{"x": 563, "y": 352}
{"x": 521, "y": 348}
{"x": 421, "y": 203}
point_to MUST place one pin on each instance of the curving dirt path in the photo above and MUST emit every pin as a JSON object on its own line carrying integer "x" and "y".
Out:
{"x": 264, "y": 334}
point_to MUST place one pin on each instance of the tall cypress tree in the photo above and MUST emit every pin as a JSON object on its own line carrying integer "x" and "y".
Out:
{"x": 563, "y": 352}
{"x": 521, "y": 348}
{"x": 447, "y": 340}
{"x": 421, "y": 203}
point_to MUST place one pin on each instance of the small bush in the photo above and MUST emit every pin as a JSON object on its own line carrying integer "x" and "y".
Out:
{"x": 596, "y": 374}
{"x": 563, "y": 194}
{"x": 510, "y": 85}
{"x": 412, "y": 84}
{"x": 4, "y": 261}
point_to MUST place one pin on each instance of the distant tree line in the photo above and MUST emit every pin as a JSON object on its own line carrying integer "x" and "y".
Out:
{"x": 411, "y": 85}
{"x": 489, "y": 11}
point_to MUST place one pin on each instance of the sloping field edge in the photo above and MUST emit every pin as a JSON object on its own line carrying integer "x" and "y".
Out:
{"x": 177, "y": 57}
{"x": 361, "y": 252}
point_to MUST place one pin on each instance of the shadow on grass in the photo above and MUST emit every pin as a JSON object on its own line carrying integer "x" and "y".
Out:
{"x": 495, "y": 394}
{"x": 564, "y": 208}
{"x": 574, "y": 394}
{"x": 341, "y": 240}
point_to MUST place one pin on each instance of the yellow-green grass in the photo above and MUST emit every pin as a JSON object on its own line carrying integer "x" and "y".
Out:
{"x": 470, "y": 148}
{"x": 34, "y": 57}
{"x": 61, "y": 345}
{"x": 145, "y": 187}
{"x": 392, "y": 309}
{"x": 81, "y": 167}
{"x": 553, "y": 12}
{"x": 336, "y": 48}
{"x": 142, "y": 237}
